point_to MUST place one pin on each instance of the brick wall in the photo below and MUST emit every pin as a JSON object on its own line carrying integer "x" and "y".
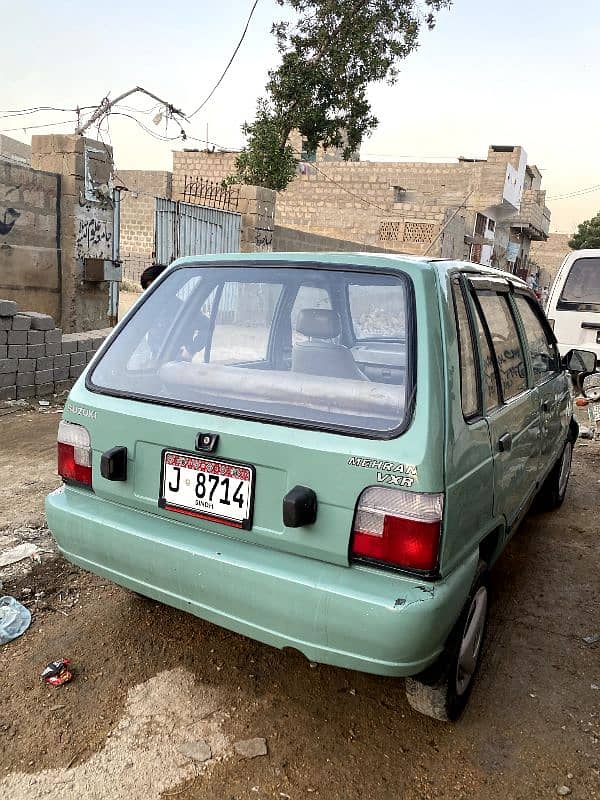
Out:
{"x": 549, "y": 255}
{"x": 359, "y": 201}
{"x": 15, "y": 151}
{"x": 137, "y": 217}
{"x": 36, "y": 358}
{"x": 292, "y": 240}
{"x": 29, "y": 244}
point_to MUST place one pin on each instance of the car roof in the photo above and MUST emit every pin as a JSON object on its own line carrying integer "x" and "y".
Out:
{"x": 372, "y": 259}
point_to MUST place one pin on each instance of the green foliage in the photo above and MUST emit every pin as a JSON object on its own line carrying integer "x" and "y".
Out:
{"x": 335, "y": 49}
{"x": 588, "y": 234}
{"x": 264, "y": 162}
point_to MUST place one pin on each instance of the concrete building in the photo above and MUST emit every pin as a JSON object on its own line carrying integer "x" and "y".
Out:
{"x": 14, "y": 151}
{"x": 484, "y": 210}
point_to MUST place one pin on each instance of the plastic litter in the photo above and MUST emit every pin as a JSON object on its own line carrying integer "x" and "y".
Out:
{"x": 57, "y": 672}
{"x": 18, "y": 553}
{"x": 14, "y": 619}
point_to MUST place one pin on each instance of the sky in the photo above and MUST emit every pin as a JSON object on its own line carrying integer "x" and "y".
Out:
{"x": 519, "y": 72}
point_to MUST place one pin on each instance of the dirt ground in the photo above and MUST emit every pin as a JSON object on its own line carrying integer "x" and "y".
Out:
{"x": 149, "y": 679}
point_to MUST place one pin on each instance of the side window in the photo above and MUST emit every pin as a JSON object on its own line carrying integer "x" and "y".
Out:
{"x": 544, "y": 356}
{"x": 378, "y": 312}
{"x": 242, "y": 326}
{"x": 490, "y": 384}
{"x": 468, "y": 359}
{"x": 505, "y": 341}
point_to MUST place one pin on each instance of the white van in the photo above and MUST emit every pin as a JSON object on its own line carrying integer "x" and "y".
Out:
{"x": 573, "y": 307}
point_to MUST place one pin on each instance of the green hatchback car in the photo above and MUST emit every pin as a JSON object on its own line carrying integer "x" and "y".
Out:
{"x": 324, "y": 452}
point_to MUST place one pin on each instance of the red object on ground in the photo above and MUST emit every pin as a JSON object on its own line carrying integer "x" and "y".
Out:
{"x": 57, "y": 672}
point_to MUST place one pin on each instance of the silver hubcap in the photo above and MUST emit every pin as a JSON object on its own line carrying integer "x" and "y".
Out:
{"x": 565, "y": 468}
{"x": 471, "y": 640}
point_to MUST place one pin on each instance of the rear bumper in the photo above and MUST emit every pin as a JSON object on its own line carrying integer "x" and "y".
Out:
{"x": 358, "y": 618}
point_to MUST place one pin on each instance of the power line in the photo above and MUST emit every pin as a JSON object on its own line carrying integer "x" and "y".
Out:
{"x": 575, "y": 193}
{"x": 229, "y": 63}
{"x": 6, "y": 114}
{"x": 32, "y": 127}
{"x": 151, "y": 133}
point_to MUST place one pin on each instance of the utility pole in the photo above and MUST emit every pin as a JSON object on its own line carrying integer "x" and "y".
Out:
{"x": 106, "y": 105}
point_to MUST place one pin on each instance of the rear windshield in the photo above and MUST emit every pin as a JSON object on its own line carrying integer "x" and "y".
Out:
{"x": 581, "y": 291}
{"x": 327, "y": 348}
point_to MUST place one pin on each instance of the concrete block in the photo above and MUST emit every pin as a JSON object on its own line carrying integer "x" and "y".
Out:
{"x": 35, "y": 337}
{"x": 3, "y": 337}
{"x": 46, "y": 362}
{"x": 17, "y": 351}
{"x": 25, "y": 378}
{"x": 21, "y": 322}
{"x": 63, "y": 386}
{"x": 84, "y": 343}
{"x": 75, "y": 372}
{"x": 26, "y": 364}
{"x": 54, "y": 336}
{"x": 8, "y": 365}
{"x": 17, "y": 337}
{"x": 36, "y": 350}
{"x": 8, "y": 308}
{"x": 61, "y": 361}
{"x": 40, "y": 322}
{"x": 25, "y": 392}
{"x": 99, "y": 341}
{"x": 43, "y": 376}
{"x": 61, "y": 374}
{"x": 8, "y": 379}
{"x": 77, "y": 359}
{"x": 3, "y": 351}
{"x": 8, "y": 393}
{"x": 43, "y": 389}
{"x": 89, "y": 355}
{"x": 53, "y": 348}
{"x": 69, "y": 345}
{"x": 6, "y": 323}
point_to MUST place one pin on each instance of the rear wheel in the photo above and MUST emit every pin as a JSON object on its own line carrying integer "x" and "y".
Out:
{"x": 554, "y": 488}
{"x": 442, "y": 691}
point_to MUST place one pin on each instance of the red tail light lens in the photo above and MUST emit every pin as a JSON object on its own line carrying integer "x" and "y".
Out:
{"x": 74, "y": 453}
{"x": 401, "y": 529}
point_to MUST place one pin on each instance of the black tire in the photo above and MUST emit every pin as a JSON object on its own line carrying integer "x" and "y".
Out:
{"x": 442, "y": 690}
{"x": 552, "y": 492}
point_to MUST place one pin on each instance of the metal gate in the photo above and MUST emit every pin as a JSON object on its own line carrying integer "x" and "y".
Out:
{"x": 185, "y": 229}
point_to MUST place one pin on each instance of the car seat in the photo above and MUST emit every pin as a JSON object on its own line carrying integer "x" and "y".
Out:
{"x": 320, "y": 355}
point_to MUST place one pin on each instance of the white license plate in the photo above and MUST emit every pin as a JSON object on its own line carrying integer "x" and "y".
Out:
{"x": 207, "y": 488}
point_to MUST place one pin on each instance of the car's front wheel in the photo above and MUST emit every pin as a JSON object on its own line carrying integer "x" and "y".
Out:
{"x": 443, "y": 689}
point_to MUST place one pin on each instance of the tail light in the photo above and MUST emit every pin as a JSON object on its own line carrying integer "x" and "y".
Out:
{"x": 74, "y": 453}
{"x": 397, "y": 528}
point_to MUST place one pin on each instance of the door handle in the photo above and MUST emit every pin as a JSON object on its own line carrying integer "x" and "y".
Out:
{"x": 546, "y": 406}
{"x": 505, "y": 443}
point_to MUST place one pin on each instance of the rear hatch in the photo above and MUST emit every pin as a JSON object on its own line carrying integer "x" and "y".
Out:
{"x": 222, "y": 416}
{"x": 576, "y": 312}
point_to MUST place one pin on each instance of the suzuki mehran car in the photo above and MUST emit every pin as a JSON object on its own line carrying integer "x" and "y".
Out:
{"x": 324, "y": 452}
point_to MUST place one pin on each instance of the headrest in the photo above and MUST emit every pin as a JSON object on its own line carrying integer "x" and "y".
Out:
{"x": 318, "y": 323}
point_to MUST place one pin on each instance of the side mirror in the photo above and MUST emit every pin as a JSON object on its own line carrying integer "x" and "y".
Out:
{"x": 577, "y": 361}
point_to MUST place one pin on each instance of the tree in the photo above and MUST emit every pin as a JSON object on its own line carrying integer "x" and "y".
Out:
{"x": 588, "y": 234}
{"x": 329, "y": 57}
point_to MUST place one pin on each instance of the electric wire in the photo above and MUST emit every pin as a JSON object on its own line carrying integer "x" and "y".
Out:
{"x": 229, "y": 63}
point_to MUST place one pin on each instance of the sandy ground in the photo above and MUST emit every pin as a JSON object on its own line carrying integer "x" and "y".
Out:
{"x": 150, "y": 679}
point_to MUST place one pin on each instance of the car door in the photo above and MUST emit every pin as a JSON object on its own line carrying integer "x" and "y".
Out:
{"x": 549, "y": 377}
{"x": 515, "y": 422}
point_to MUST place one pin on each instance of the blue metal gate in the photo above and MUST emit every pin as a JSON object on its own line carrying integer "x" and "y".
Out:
{"x": 186, "y": 229}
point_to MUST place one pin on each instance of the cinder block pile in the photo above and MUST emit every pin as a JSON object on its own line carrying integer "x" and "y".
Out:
{"x": 36, "y": 358}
